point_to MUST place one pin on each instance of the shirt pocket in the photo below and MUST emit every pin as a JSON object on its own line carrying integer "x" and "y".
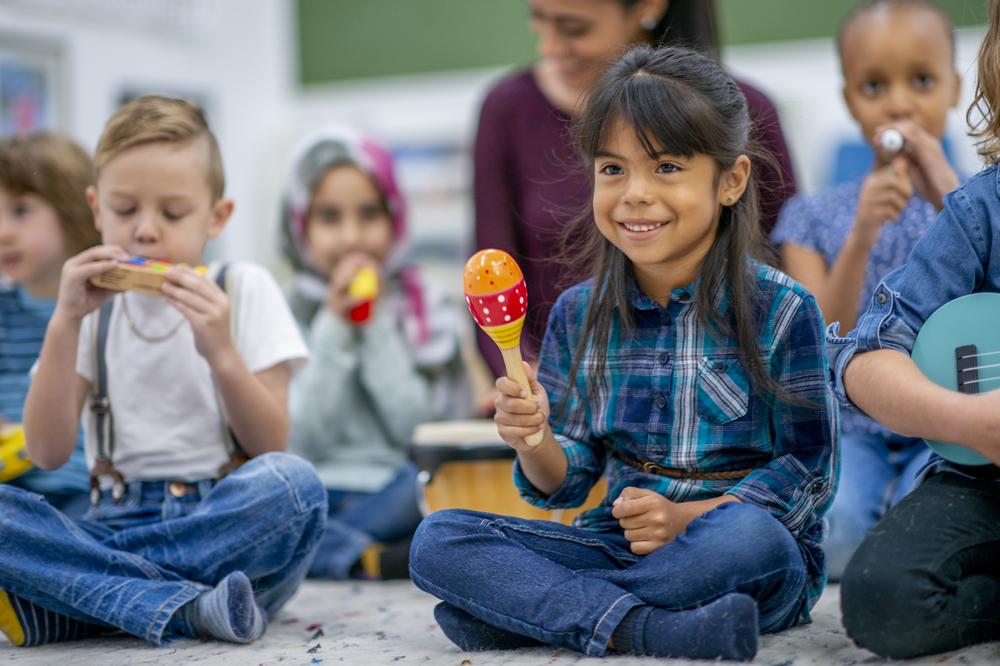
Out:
{"x": 723, "y": 390}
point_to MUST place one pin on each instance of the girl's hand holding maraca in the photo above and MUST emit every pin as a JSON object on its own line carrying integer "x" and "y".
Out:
{"x": 498, "y": 300}
{"x": 521, "y": 414}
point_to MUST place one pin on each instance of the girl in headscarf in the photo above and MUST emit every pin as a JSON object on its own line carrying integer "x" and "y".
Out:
{"x": 385, "y": 351}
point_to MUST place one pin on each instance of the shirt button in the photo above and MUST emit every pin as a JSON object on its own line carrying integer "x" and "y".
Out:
{"x": 661, "y": 402}
{"x": 881, "y": 298}
{"x": 664, "y": 358}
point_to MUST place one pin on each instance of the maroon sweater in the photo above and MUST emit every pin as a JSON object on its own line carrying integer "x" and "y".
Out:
{"x": 530, "y": 182}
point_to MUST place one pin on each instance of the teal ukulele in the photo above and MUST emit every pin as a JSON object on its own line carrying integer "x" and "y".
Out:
{"x": 958, "y": 348}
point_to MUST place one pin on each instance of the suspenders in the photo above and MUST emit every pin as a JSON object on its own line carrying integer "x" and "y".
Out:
{"x": 100, "y": 405}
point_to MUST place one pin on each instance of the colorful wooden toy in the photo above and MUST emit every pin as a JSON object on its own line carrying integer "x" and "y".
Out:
{"x": 138, "y": 274}
{"x": 364, "y": 286}
{"x": 498, "y": 300}
{"x": 13, "y": 456}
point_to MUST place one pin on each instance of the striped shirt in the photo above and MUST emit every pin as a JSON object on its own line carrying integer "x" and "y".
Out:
{"x": 674, "y": 394}
{"x": 23, "y": 320}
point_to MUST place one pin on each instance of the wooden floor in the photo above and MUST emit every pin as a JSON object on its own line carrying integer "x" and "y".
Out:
{"x": 392, "y": 623}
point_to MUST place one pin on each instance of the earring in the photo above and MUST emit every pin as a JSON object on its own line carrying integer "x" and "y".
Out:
{"x": 648, "y": 23}
{"x": 729, "y": 200}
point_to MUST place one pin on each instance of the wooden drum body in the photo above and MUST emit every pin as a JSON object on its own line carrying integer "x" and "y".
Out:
{"x": 465, "y": 465}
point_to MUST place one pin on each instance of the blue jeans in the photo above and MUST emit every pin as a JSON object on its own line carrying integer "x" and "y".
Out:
{"x": 875, "y": 473}
{"x": 357, "y": 520}
{"x": 571, "y": 587}
{"x": 133, "y": 564}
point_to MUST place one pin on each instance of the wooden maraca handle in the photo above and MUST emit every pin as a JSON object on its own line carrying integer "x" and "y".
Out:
{"x": 512, "y": 361}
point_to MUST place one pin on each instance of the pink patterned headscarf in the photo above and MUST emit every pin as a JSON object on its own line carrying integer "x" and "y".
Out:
{"x": 336, "y": 145}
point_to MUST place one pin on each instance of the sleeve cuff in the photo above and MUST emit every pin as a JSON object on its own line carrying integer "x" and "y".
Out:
{"x": 880, "y": 327}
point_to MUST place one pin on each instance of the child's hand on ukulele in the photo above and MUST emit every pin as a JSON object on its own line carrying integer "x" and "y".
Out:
{"x": 928, "y": 168}
{"x": 884, "y": 194}
{"x": 204, "y": 305}
{"x": 77, "y": 296}
{"x": 649, "y": 519}
{"x": 338, "y": 299}
{"x": 518, "y": 414}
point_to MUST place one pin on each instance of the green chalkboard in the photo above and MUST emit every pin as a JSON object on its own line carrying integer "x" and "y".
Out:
{"x": 354, "y": 39}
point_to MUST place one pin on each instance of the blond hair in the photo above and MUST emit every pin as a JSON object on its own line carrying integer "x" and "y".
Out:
{"x": 986, "y": 129}
{"x": 57, "y": 170}
{"x": 158, "y": 119}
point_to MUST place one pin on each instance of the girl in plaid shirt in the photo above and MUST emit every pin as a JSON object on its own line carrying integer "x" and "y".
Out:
{"x": 687, "y": 373}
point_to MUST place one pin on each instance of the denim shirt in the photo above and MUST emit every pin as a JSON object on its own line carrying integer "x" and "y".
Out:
{"x": 959, "y": 255}
{"x": 673, "y": 393}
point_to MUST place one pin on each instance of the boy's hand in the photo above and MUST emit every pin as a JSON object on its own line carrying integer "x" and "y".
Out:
{"x": 338, "y": 300}
{"x": 205, "y": 306}
{"x": 77, "y": 296}
{"x": 518, "y": 414}
{"x": 929, "y": 171}
{"x": 884, "y": 194}
{"x": 649, "y": 519}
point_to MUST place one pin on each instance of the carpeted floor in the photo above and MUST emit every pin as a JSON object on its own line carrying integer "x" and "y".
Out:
{"x": 392, "y": 623}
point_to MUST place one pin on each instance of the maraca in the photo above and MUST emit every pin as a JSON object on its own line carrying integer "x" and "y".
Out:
{"x": 364, "y": 287}
{"x": 498, "y": 299}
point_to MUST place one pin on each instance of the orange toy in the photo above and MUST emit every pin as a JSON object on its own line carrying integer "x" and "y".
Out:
{"x": 498, "y": 299}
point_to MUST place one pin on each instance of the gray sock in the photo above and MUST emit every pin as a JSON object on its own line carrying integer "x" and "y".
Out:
{"x": 228, "y": 612}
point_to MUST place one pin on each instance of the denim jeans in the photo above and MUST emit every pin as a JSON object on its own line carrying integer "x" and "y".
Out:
{"x": 356, "y": 520}
{"x": 133, "y": 564}
{"x": 875, "y": 473}
{"x": 571, "y": 587}
{"x": 927, "y": 578}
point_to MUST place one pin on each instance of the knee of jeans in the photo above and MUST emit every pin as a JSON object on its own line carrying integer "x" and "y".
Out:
{"x": 755, "y": 535}
{"x": 432, "y": 540}
{"x": 299, "y": 477}
{"x": 881, "y": 610}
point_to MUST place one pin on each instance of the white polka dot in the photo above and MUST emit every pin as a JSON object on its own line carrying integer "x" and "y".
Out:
{"x": 480, "y": 301}
{"x": 506, "y": 317}
{"x": 489, "y": 321}
{"x": 486, "y": 310}
{"x": 521, "y": 300}
{"x": 502, "y": 298}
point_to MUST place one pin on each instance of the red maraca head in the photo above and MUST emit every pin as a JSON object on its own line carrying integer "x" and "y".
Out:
{"x": 496, "y": 295}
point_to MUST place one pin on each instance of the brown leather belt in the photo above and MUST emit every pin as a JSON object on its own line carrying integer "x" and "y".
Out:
{"x": 651, "y": 467}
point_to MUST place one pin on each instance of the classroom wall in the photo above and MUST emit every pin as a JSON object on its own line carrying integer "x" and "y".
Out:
{"x": 234, "y": 56}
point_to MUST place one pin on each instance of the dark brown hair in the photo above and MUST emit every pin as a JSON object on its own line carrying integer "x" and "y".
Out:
{"x": 683, "y": 103}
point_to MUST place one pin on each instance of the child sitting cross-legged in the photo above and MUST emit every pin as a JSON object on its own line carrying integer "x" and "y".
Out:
{"x": 179, "y": 540}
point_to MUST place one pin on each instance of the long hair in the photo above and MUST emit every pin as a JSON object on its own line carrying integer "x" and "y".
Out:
{"x": 683, "y": 103}
{"x": 986, "y": 128}
{"x": 688, "y": 23}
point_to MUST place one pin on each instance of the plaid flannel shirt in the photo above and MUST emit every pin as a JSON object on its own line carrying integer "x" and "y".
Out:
{"x": 676, "y": 395}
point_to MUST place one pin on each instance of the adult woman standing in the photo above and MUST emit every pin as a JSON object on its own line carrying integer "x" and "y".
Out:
{"x": 528, "y": 179}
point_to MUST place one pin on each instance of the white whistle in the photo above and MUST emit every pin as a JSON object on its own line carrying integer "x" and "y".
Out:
{"x": 891, "y": 141}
